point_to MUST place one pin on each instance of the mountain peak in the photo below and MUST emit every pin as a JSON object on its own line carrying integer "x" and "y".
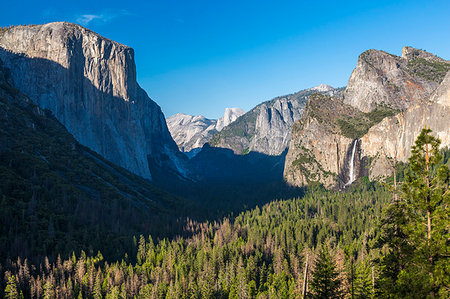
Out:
{"x": 230, "y": 115}
{"x": 322, "y": 88}
{"x": 410, "y": 53}
{"x": 383, "y": 79}
{"x": 89, "y": 83}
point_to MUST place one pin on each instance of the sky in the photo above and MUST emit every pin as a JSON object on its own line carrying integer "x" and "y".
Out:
{"x": 200, "y": 57}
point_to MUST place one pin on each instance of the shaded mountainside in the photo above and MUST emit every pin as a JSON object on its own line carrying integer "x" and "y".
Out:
{"x": 89, "y": 84}
{"x": 57, "y": 196}
{"x": 267, "y": 127}
{"x": 354, "y": 143}
{"x": 192, "y": 132}
{"x": 397, "y": 82}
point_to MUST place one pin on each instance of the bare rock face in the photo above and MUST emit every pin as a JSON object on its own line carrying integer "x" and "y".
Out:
{"x": 192, "y": 132}
{"x": 267, "y": 127}
{"x": 324, "y": 147}
{"x": 318, "y": 150}
{"x": 392, "y": 138}
{"x": 383, "y": 79}
{"x": 388, "y": 101}
{"x": 89, "y": 83}
{"x": 230, "y": 115}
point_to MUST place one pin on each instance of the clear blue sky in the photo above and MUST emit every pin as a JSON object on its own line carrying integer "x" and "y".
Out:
{"x": 199, "y": 57}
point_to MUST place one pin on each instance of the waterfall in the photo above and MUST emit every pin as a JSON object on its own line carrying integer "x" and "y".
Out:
{"x": 351, "y": 171}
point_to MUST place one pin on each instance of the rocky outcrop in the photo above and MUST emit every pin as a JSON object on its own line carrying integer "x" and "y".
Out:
{"x": 392, "y": 138}
{"x": 267, "y": 128}
{"x": 230, "y": 115}
{"x": 89, "y": 83}
{"x": 327, "y": 148}
{"x": 192, "y": 132}
{"x": 318, "y": 150}
{"x": 383, "y": 79}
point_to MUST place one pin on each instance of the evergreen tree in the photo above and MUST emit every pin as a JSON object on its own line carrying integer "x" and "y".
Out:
{"x": 415, "y": 228}
{"x": 325, "y": 282}
{"x": 11, "y": 288}
{"x": 48, "y": 290}
{"x": 427, "y": 195}
{"x": 398, "y": 249}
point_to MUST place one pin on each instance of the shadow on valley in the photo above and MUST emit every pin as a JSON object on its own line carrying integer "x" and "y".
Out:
{"x": 59, "y": 197}
{"x": 226, "y": 183}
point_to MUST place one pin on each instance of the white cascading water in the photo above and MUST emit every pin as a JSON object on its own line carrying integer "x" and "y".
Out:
{"x": 351, "y": 172}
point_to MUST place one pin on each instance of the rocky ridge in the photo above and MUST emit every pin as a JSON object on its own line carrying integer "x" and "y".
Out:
{"x": 192, "y": 132}
{"x": 391, "y": 139}
{"x": 383, "y": 79}
{"x": 319, "y": 148}
{"x": 89, "y": 83}
{"x": 378, "y": 135}
{"x": 266, "y": 128}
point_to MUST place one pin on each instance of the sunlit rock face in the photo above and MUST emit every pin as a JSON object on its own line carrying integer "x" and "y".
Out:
{"x": 383, "y": 79}
{"x": 392, "y": 138}
{"x": 322, "y": 149}
{"x": 89, "y": 83}
{"x": 318, "y": 151}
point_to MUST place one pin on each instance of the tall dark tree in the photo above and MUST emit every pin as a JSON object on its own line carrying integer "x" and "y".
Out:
{"x": 427, "y": 195}
{"x": 325, "y": 281}
{"x": 415, "y": 229}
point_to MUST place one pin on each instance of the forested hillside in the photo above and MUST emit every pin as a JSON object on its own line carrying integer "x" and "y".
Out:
{"x": 57, "y": 196}
{"x": 359, "y": 242}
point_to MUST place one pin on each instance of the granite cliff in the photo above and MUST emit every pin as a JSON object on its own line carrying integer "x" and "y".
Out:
{"x": 192, "y": 132}
{"x": 338, "y": 140}
{"x": 89, "y": 83}
{"x": 53, "y": 189}
{"x": 266, "y": 128}
{"x": 323, "y": 142}
{"x": 391, "y": 139}
{"x": 383, "y": 79}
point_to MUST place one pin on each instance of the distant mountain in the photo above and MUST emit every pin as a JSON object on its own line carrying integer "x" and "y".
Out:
{"x": 387, "y": 102}
{"x": 267, "y": 127}
{"x": 89, "y": 83}
{"x": 230, "y": 115}
{"x": 58, "y": 196}
{"x": 192, "y": 132}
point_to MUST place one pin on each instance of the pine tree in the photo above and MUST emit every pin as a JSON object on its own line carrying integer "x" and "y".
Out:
{"x": 325, "y": 282}
{"x": 398, "y": 249}
{"x": 11, "y": 288}
{"x": 427, "y": 195}
{"x": 97, "y": 287}
{"x": 415, "y": 228}
{"x": 48, "y": 290}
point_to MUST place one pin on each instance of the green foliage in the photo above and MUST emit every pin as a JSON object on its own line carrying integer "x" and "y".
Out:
{"x": 359, "y": 125}
{"x": 429, "y": 70}
{"x": 416, "y": 264}
{"x": 57, "y": 196}
{"x": 11, "y": 288}
{"x": 259, "y": 253}
{"x": 325, "y": 282}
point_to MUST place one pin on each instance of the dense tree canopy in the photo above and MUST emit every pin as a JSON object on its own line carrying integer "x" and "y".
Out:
{"x": 359, "y": 242}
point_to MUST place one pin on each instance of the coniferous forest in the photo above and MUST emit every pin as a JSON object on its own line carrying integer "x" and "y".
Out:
{"x": 372, "y": 240}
